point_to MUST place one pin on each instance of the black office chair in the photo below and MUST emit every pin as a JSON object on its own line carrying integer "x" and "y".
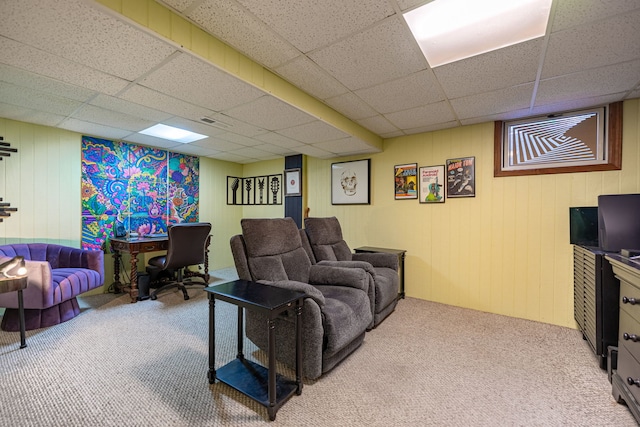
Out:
{"x": 187, "y": 246}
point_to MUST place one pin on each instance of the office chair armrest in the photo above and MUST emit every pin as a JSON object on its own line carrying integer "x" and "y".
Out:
{"x": 339, "y": 276}
{"x": 378, "y": 259}
{"x": 293, "y": 285}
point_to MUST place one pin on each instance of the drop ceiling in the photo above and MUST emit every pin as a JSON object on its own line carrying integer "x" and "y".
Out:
{"x": 76, "y": 65}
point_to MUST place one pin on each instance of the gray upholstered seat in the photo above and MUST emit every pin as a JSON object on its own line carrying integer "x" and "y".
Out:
{"x": 336, "y": 311}
{"x": 328, "y": 247}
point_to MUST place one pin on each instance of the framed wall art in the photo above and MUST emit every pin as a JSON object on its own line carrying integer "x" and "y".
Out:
{"x": 406, "y": 181}
{"x": 292, "y": 183}
{"x": 350, "y": 182}
{"x": 461, "y": 177}
{"x": 431, "y": 184}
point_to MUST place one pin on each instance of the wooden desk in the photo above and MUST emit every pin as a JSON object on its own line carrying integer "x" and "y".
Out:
{"x": 134, "y": 246}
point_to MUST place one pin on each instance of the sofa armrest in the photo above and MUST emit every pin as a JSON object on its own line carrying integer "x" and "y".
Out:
{"x": 378, "y": 259}
{"x": 293, "y": 285}
{"x": 94, "y": 261}
{"x": 351, "y": 264}
{"x": 339, "y": 276}
{"x": 38, "y": 293}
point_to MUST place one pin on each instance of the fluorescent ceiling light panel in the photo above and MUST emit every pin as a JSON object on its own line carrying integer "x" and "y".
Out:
{"x": 172, "y": 134}
{"x": 450, "y": 30}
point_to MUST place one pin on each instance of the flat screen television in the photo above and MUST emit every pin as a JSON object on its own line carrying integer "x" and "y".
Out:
{"x": 619, "y": 222}
{"x": 583, "y": 226}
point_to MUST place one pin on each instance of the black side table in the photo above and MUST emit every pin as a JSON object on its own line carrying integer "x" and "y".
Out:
{"x": 399, "y": 252}
{"x": 11, "y": 285}
{"x": 255, "y": 381}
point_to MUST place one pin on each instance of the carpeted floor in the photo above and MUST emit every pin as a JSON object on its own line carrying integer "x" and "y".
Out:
{"x": 428, "y": 364}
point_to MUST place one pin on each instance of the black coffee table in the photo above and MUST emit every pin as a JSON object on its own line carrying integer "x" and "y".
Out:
{"x": 260, "y": 383}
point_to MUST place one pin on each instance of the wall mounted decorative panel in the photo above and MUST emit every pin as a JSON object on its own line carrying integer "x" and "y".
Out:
{"x": 138, "y": 189}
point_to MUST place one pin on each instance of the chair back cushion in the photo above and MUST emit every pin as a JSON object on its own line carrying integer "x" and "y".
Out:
{"x": 325, "y": 238}
{"x": 274, "y": 249}
{"x": 187, "y": 244}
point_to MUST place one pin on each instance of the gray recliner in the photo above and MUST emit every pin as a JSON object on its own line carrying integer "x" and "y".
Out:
{"x": 330, "y": 248}
{"x": 336, "y": 311}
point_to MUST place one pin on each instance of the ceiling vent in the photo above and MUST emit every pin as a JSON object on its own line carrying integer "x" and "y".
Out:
{"x": 215, "y": 123}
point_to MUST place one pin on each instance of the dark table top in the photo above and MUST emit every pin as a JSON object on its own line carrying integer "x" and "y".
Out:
{"x": 255, "y": 295}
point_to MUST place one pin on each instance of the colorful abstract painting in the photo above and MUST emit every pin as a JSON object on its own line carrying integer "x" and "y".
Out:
{"x": 134, "y": 188}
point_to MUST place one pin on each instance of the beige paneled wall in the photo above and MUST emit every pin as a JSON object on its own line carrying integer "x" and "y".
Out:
{"x": 42, "y": 180}
{"x": 504, "y": 251}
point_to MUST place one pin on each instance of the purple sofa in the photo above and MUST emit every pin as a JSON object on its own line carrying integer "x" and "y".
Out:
{"x": 57, "y": 274}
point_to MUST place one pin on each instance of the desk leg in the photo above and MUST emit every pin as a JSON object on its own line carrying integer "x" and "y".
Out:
{"x": 212, "y": 339}
{"x": 272, "y": 370}
{"x": 133, "y": 290}
{"x": 299, "y": 347}
{"x": 23, "y": 340}
{"x": 117, "y": 285}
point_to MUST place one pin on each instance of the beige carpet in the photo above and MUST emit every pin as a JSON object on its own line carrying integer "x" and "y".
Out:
{"x": 428, "y": 364}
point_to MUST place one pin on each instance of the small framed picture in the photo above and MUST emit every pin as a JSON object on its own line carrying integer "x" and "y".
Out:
{"x": 293, "y": 186}
{"x": 432, "y": 180}
{"x": 350, "y": 182}
{"x": 461, "y": 177}
{"x": 406, "y": 181}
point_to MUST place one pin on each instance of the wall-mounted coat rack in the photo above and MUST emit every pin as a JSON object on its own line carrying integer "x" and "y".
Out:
{"x": 5, "y": 151}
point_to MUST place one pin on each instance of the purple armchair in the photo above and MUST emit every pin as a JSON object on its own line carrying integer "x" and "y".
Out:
{"x": 56, "y": 275}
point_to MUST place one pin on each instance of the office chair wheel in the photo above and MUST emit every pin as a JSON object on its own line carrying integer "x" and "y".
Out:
{"x": 153, "y": 297}
{"x": 184, "y": 292}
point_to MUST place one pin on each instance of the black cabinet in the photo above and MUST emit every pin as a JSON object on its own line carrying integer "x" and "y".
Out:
{"x": 595, "y": 300}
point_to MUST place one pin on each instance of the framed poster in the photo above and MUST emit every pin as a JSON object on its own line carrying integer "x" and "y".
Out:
{"x": 292, "y": 182}
{"x": 431, "y": 184}
{"x": 350, "y": 182}
{"x": 406, "y": 181}
{"x": 461, "y": 177}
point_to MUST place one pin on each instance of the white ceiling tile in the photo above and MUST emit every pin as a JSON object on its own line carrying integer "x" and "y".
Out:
{"x": 431, "y": 128}
{"x": 194, "y": 150}
{"x": 125, "y": 107}
{"x": 593, "y": 45}
{"x": 497, "y": 101}
{"x": 601, "y": 81}
{"x": 93, "y": 129}
{"x": 309, "y": 25}
{"x": 570, "y": 13}
{"x": 43, "y": 63}
{"x": 159, "y": 101}
{"x": 313, "y": 132}
{"x": 378, "y": 124}
{"x": 576, "y": 104}
{"x": 151, "y": 141}
{"x": 40, "y": 83}
{"x": 385, "y": 52}
{"x": 102, "y": 116}
{"x": 193, "y": 126}
{"x": 193, "y": 80}
{"x": 510, "y": 115}
{"x": 401, "y": 94}
{"x": 238, "y": 139}
{"x": 391, "y": 134}
{"x": 274, "y": 149}
{"x": 253, "y": 153}
{"x": 29, "y": 115}
{"x": 351, "y": 105}
{"x": 345, "y": 146}
{"x": 312, "y": 151}
{"x": 410, "y": 4}
{"x": 229, "y": 21}
{"x": 41, "y": 101}
{"x": 269, "y": 113}
{"x": 422, "y": 116}
{"x": 510, "y": 66}
{"x": 179, "y": 5}
{"x": 231, "y": 157}
{"x": 214, "y": 143}
{"x": 306, "y": 75}
{"x": 78, "y": 31}
{"x": 279, "y": 140}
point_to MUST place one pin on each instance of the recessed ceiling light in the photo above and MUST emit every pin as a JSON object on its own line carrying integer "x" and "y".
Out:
{"x": 172, "y": 133}
{"x": 450, "y": 30}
